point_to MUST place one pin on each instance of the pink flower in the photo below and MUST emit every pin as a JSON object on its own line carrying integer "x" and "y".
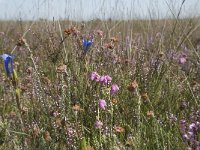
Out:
{"x": 105, "y": 79}
{"x": 114, "y": 89}
{"x": 94, "y": 76}
{"x": 182, "y": 60}
{"x": 98, "y": 124}
{"x": 102, "y": 104}
{"x": 108, "y": 78}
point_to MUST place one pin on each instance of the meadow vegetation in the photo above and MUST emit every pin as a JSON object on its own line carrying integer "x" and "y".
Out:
{"x": 94, "y": 85}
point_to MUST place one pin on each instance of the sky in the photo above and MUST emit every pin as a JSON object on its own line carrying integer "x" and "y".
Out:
{"x": 92, "y": 9}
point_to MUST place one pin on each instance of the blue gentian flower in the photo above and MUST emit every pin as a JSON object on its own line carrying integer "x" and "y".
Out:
{"x": 8, "y": 59}
{"x": 87, "y": 44}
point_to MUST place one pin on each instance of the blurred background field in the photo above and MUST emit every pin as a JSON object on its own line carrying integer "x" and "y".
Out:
{"x": 83, "y": 81}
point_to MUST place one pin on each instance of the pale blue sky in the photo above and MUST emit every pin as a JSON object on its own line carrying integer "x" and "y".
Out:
{"x": 90, "y": 9}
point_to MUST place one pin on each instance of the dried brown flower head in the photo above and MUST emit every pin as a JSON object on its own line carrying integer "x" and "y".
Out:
{"x": 21, "y": 42}
{"x": 70, "y": 31}
{"x": 150, "y": 114}
{"x": 46, "y": 80}
{"x": 161, "y": 54}
{"x": 119, "y": 129}
{"x": 47, "y": 136}
{"x": 89, "y": 148}
{"x": 12, "y": 115}
{"x": 36, "y": 130}
{"x": 114, "y": 101}
{"x": 133, "y": 86}
{"x": 114, "y": 39}
{"x": 58, "y": 122}
{"x": 29, "y": 70}
{"x": 145, "y": 97}
{"x": 129, "y": 142}
{"x": 109, "y": 46}
{"x": 23, "y": 88}
{"x": 61, "y": 68}
{"x": 77, "y": 107}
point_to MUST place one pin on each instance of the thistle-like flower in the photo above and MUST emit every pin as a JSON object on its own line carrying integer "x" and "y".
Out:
{"x": 102, "y": 104}
{"x": 8, "y": 62}
{"x": 114, "y": 89}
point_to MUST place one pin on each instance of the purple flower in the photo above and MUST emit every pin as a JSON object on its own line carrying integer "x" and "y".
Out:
{"x": 94, "y": 76}
{"x": 105, "y": 79}
{"x": 183, "y": 122}
{"x": 183, "y": 125}
{"x": 101, "y": 79}
{"x": 185, "y": 136}
{"x": 87, "y": 44}
{"x": 8, "y": 59}
{"x": 192, "y": 126}
{"x": 114, "y": 89}
{"x": 102, "y": 104}
{"x": 108, "y": 78}
{"x": 98, "y": 124}
{"x": 189, "y": 133}
{"x": 182, "y": 59}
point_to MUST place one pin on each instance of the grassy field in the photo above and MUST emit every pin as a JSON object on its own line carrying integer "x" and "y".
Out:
{"x": 131, "y": 85}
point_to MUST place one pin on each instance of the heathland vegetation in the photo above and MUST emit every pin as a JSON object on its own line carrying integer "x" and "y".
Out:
{"x": 106, "y": 85}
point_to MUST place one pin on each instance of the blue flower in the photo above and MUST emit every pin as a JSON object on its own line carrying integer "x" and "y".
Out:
{"x": 87, "y": 44}
{"x": 8, "y": 59}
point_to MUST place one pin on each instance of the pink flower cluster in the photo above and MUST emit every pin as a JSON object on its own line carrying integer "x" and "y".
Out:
{"x": 104, "y": 80}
